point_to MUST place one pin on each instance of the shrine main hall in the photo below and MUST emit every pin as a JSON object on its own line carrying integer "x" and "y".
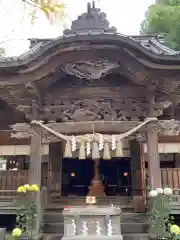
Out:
{"x": 92, "y": 112}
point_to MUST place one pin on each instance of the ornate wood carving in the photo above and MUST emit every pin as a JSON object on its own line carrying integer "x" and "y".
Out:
{"x": 141, "y": 137}
{"x": 21, "y": 130}
{"x": 165, "y": 127}
{"x": 33, "y": 90}
{"x": 170, "y": 127}
{"x": 89, "y": 70}
{"x": 91, "y": 110}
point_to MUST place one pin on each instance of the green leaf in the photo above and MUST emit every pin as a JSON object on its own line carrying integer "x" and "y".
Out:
{"x": 164, "y": 19}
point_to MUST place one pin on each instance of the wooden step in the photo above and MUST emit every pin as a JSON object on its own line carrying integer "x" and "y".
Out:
{"x": 100, "y": 200}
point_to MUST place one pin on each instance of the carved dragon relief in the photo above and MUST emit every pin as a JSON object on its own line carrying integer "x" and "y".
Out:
{"x": 90, "y": 110}
{"x": 89, "y": 70}
{"x": 86, "y": 110}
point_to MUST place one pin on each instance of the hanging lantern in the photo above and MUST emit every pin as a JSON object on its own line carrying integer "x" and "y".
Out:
{"x": 119, "y": 150}
{"x": 95, "y": 151}
{"x": 107, "y": 154}
{"x": 88, "y": 148}
{"x": 73, "y": 143}
{"x": 68, "y": 150}
{"x": 113, "y": 144}
{"x": 82, "y": 151}
{"x": 101, "y": 143}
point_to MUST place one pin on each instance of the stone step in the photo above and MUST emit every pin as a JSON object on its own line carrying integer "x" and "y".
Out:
{"x": 55, "y": 217}
{"x": 175, "y": 204}
{"x": 54, "y": 208}
{"x": 140, "y": 236}
{"x": 54, "y": 228}
{"x": 127, "y": 227}
{"x": 134, "y": 217}
{"x": 137, "y": 236}
{"x": 138, "y": 227}
{"x": 175, "y": 207}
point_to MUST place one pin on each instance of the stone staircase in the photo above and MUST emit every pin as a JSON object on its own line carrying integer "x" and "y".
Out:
{"x": 134, "y": 226}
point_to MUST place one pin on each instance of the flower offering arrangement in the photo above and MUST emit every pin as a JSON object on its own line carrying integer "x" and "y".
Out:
{"x": 26, "y": 211}
{"x": 162, "y": 224}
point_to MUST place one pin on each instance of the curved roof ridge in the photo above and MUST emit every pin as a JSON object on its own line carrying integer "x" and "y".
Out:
{"x": 48, "y": 47}
{"x": 92, "y": 27}
{"x": 23, "y": 55}
{"x": 164, "y": 48}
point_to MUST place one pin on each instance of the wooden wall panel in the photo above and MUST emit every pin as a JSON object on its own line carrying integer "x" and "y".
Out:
{"x": 10, "y": 180}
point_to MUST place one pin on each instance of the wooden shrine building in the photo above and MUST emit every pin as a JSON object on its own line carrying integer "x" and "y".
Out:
{"x": 91, "y": 94}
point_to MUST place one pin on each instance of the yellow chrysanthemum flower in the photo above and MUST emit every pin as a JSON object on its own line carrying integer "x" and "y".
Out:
{"x": 53, "y": 10}
{"x": 17, "y": 232}
{"x": 27, "y": 187}
{"x": 34, "y": 188}
{"x": 21, "y": 189}
{"x": 175, "y": 229}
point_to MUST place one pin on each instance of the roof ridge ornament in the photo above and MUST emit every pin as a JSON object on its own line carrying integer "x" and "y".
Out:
{"x": 89, "y": 6}
{"x": 92, "y": 21}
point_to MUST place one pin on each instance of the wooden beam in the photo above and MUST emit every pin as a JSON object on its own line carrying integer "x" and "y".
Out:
{"x": 75, "y": 128}
{"x": 169, "y": 139}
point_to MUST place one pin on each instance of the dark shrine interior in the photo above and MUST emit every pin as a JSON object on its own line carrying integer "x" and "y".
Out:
{"x": 115, "y": 175}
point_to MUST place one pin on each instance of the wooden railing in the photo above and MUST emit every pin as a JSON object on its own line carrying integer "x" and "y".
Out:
{"x": 170, "y": 177}
{"x": 10, "y": 180}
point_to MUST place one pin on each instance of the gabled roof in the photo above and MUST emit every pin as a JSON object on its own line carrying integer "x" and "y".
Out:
{"x": 153, "y": 43}
{"x": 94, "y": 27}
{"x": 91, "y": 39}
{"x": 91, "y": 50}
{"x": 94, "y": 22}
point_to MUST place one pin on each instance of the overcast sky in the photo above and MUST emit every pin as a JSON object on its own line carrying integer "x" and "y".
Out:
{"x": 125, "y": 15}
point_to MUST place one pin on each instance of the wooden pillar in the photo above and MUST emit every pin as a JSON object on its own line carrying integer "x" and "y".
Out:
{"x": 34, "y": 174}
{"x": 154, "y": 170}
{"x": 138, "y": 176}
{"x": 55, "y": 166}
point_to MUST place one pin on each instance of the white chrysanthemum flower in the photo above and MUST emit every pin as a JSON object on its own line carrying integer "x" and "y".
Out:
{"x": 168, "y": 191}
{"x": 159, "y": 190}
{"x": 153, "y": 193}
